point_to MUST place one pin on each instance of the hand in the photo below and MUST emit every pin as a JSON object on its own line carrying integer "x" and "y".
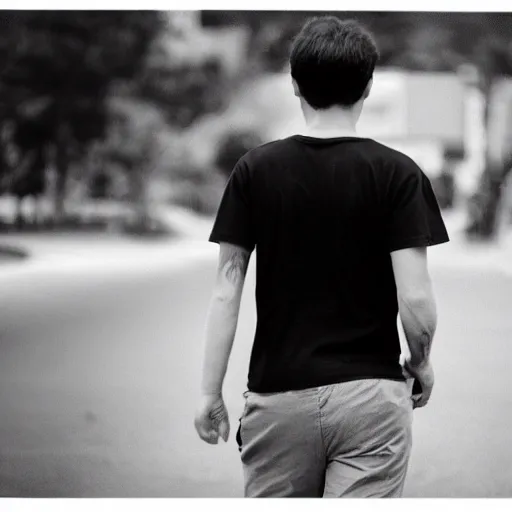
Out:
{"x": 212, "y": 419}
{"x": 423, "y": 382}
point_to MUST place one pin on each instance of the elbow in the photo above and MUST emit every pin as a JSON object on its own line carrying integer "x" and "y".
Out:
{"x": 418, "y": 313}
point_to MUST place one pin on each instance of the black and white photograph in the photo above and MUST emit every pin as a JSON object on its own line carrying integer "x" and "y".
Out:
{"x": 255, "y": 253}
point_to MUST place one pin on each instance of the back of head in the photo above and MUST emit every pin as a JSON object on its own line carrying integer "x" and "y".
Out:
{"x": 332, "y": 62}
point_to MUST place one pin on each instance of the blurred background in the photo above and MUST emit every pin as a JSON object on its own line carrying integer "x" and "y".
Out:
{"x": 118, "y": 131}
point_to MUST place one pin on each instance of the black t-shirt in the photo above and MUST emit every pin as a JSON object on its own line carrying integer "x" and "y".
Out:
{"x": 324, "y": 215}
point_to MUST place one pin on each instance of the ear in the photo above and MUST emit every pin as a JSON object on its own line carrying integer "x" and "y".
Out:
{"x": 368, "y": 88}
{"x": 295, "y": 88}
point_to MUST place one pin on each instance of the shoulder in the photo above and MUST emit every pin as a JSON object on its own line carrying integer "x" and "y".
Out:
{"x": 399, "y": 161}
{"x": 266, "y": 153}
{"x": 401, "y": 169}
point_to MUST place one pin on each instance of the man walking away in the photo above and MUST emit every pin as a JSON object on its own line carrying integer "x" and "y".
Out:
{"x": 340, "y": 224}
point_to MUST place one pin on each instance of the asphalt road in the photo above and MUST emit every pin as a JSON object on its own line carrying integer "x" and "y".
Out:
{"x": 99, "y": 369}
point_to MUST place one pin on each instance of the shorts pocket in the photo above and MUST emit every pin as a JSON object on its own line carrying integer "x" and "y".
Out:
{"x": 239, "y": 441}
{"x": 239, "y": 436}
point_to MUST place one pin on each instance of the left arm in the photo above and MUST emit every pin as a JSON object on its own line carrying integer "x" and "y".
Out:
{"x": 212, "y": 419}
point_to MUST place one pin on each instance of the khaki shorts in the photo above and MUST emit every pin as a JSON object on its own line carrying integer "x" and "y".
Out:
{"x": 350, "y": 440}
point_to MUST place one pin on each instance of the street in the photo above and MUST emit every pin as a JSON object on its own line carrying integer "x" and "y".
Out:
{"x": 99, "y": 369}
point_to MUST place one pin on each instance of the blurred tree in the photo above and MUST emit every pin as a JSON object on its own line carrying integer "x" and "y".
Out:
{"x": 58, "y": 70}
{"x": 272, "y": 32}
{"x": 132, "y": 144}
{"x": 27, "y": 177}
{"x": 100, "y": 185}
{"x": 183, "y": 83}
{"x": 183, "y": 91}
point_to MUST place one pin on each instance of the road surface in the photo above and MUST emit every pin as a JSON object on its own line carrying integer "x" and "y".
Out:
{"x": 99, "y": 366}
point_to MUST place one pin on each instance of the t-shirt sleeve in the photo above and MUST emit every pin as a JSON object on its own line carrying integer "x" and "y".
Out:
{"x": 233, "y": 223}
{"x": 414, "y": 216}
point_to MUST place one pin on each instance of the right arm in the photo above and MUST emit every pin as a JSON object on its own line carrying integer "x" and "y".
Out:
{"x": 418, "y": 314}
{"x": 414, "y": 222}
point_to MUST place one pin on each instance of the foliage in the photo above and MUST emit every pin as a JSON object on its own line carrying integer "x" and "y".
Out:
{"x": 182, "y": 91}
{"x": 132, "y": 146}
{"x": 58, "y": 73}
{"x": 414, "y": 40}
{"x": 100, "y": 185}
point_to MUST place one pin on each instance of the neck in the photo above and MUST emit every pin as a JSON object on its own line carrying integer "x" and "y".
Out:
{"x": 332, "y": 122}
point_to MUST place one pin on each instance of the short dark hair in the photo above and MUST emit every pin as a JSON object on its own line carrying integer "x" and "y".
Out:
{"x": 332, "y": 61}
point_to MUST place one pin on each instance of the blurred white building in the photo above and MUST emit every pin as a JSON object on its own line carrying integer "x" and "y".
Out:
{"x": 500, "y": 129}
{"x": 420, "y": 114}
